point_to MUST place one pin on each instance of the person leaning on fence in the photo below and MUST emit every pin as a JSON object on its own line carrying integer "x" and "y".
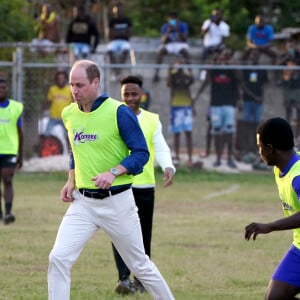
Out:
{"x": 179, "y": 81}
{"x": 275, "y": 142}
{"x": 174, "y": 35}
{"x": 224, "y": 95}
{"x": 252, "y": 82}
{"x": 82, "y": 34}
{"x": 11, "y": 148}
{"x": 58, "y": 97}
{"x": 108, "y": 148}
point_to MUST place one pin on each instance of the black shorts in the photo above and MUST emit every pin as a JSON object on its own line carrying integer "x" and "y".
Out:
{"x": 8, "y": 161}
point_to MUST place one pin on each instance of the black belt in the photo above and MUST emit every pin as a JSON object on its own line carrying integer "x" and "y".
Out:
{"x": 101, "y": 194}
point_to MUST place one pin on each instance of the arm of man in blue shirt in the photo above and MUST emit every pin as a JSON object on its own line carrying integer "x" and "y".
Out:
{"x": 134, "y": 139}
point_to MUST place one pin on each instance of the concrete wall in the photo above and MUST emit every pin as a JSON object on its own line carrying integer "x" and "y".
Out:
{"x": 160, "y": 94}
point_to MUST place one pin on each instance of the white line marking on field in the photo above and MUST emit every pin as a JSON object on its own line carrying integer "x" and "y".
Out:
{"x": 229, "y": 190}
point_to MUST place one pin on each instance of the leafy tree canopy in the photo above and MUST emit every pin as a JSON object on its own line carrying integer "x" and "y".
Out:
{"x": 149, "y": 15}
{"x": 16, "y": 22}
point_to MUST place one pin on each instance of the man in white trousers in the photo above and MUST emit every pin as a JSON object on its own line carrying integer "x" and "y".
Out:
{"x": 108, "y": 148}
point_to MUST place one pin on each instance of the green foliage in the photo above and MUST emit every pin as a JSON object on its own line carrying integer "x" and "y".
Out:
{"x": 287, "y": 14}
{"x": 149, "y": 15}
{"x": 239, "y": 14}
{"x": 16, "y": 24}
{"x": 148, "y": 20}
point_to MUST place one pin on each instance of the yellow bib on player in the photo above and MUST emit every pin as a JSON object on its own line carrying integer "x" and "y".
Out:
{"x": 8, "y": 127}
{"x": 95, "y": 141}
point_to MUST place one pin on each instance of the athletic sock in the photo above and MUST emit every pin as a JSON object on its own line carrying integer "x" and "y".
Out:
{"x": 8, "y": 206}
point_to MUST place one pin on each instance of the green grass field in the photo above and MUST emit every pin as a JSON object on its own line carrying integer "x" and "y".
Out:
{"x": 198, "y": 239}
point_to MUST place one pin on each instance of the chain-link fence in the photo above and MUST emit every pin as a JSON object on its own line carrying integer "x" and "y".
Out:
{"x": 30, "y": 72}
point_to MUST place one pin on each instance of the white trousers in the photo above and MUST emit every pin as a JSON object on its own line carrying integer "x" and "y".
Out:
{"x": 117, "y": 216}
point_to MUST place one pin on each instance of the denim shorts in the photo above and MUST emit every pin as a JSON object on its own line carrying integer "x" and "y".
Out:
{"x": 80, "y": 49}
{"x": 252, "y": 111}
{"x": 222, "y": 119}
{"x": 181, "y": 119}
{"x": 118, "y": 46}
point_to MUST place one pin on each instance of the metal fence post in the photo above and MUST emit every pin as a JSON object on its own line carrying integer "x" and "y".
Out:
{"x": 17, "y": 81}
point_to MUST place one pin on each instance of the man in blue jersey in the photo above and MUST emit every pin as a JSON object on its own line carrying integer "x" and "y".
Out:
{"x": 11, "y": 147}
{"x": 275, "y": 142}
{"x": 144, "y": 183}
{"x": 108, "y": 148}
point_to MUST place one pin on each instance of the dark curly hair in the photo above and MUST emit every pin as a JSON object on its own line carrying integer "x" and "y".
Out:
{"x": 276, "y": 132}
{"x": 132, "y": 79}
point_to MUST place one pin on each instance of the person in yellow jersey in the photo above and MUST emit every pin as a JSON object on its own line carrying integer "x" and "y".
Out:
{"x": 58, "y": 97}
{"x": 144, "y": 183}
{"x": 182, "y": 111}
{"x": 108, "y": 149}
{"x": 11, "y": 147}
{"x": 275, "y": 140}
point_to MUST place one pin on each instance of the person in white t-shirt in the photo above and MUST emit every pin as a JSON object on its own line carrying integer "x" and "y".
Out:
{"x": 215, "y": 30}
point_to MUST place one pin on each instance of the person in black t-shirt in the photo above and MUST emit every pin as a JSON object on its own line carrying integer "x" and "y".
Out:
{"x": 82, "y": 34}
{"x": 224, "y": 95}
{"x": 120, "y": 32}
{"x": 253, "y": 81}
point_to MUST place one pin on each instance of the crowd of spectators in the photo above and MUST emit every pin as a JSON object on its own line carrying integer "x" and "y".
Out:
{"x": 83, "y": 36}
{"x": 244, "y": 89}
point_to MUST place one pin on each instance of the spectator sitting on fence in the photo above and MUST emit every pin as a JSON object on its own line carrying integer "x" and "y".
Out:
{"x": 48, "y": 29}
{"x": 215, "y": 30}
{"x": 174, "y": 41}
{"x": 259, "y": 38}
{"x": 291, "y": 52}
{"x": 82, "y": 34}
{"x": 120, "y": 32}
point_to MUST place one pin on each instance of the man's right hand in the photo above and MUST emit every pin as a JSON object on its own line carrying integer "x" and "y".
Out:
{"x": 66, "y": 192}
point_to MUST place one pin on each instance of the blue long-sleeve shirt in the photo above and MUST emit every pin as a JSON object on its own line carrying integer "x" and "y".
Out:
{"x": 132, "y": 137}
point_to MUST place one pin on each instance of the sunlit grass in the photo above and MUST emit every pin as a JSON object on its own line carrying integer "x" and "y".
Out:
{"x": 198, "y": 241}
